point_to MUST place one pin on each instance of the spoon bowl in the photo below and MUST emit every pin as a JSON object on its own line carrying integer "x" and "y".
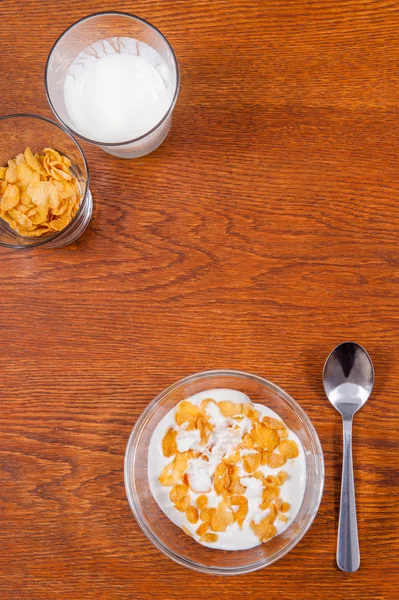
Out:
{"x": 348, "y": 377}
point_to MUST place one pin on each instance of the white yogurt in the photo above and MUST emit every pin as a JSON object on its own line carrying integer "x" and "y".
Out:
{"x": 222, "y": 441}
{"x": 117, "y": 89}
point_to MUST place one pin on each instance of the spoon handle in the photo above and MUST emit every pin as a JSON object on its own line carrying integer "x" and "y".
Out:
{"x": 348, "y": 553}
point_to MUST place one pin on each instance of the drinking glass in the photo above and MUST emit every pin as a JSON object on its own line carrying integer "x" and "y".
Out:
{"x": 115, "y": 29}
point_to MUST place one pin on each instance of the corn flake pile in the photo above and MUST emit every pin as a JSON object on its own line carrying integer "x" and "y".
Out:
{"x": 38, "y": 193}
{"x": 265, "y": 444}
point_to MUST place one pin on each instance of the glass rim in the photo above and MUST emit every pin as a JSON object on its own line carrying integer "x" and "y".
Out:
{"x": 43, "y": 241}
{"x": 129, "y": 460}
{"x": 172, "y": 104}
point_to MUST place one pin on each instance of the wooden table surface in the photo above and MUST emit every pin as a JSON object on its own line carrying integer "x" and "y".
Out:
{"x": 261, "y": 234}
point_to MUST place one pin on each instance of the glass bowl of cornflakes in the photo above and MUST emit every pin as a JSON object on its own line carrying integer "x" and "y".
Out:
{"x": 172, "y": 540}
{"x": 45, "y": 198}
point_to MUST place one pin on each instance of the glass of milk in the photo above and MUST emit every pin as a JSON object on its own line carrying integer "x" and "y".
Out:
{"x": 112, "y": 79}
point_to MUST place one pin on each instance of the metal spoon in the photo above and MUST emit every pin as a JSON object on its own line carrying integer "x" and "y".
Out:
{"x": 348, "y": 379}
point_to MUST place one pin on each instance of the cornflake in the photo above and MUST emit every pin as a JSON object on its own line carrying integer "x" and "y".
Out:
{"x": 202, "y": 529}
{"x": 169, "y": 447}
{"x": 222, "y": 517}
{"x": 38, "y": 193}
{"x": 202, "y": 501}
{"x": 192, "y": 515}
{"x": 242, "y": 503}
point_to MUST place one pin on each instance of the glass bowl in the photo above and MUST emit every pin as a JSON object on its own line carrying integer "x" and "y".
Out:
{"x": 169, "y": 538}
{"x": 18, "y": 132}
{"x": 95, "y": 36}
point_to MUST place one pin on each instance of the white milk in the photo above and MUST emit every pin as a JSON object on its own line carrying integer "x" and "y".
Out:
{"x": 117, "y": 90}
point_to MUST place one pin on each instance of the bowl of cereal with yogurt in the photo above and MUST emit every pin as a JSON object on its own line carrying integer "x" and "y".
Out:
{"x": 224, "y": 472}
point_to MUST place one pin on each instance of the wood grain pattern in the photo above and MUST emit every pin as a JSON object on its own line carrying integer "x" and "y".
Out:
{"x": 262, "y": 233}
